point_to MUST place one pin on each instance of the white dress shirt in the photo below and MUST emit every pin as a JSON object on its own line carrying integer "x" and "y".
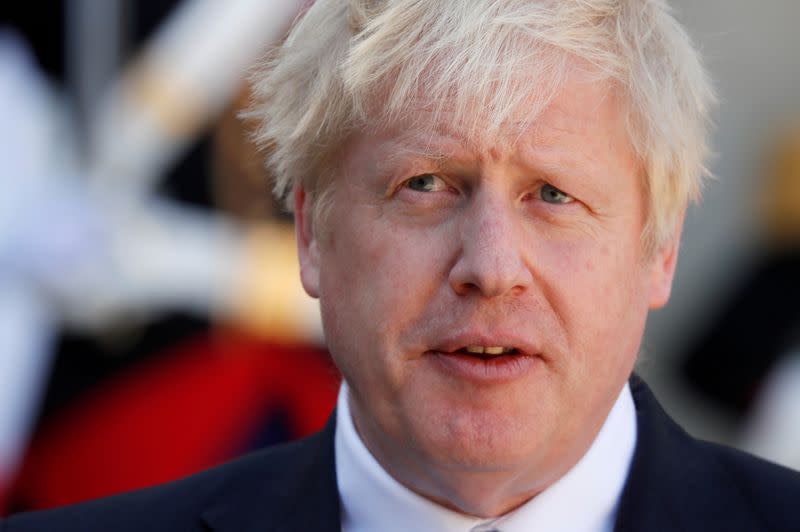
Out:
{"x": 583, "y": 500}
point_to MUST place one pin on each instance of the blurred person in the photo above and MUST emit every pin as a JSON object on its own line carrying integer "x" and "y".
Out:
{"x": 55, "y": 269}
{"x": 488, "y": 198}
{"x": 747, "y": 358}
{"x": 759, "y": 324}
{"x": 253, "y": 379}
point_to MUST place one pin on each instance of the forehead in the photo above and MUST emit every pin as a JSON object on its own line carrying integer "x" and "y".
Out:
{"x": 505, "y": 103}
{"x": 582, "y": 120}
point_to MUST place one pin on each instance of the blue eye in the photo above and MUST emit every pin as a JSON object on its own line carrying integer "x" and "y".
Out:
{"x": 426, "y": 183}
{"x": 551, "y": 194}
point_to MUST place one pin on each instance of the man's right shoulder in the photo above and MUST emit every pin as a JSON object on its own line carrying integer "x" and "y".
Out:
{"x": 259, "y": 480}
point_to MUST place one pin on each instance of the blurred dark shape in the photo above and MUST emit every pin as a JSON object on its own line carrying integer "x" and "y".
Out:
{"x": 86, "y": 361}
{"x": 43, "y": 30}
{"x": 760, "y": 323}
{"x": 755, "y": 328}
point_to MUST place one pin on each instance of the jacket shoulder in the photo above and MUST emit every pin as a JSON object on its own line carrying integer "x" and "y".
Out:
{"x": 677, "y": 482}
{"x": 177, "y": 505}
{"x": 771, "y": 491}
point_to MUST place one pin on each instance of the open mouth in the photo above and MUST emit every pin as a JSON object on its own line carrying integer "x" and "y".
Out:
{"x": 486, "y": 363}
{"x": 486, "y": 352}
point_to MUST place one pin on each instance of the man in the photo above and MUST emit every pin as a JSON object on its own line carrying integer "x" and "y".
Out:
{"x": 488, "y": 197}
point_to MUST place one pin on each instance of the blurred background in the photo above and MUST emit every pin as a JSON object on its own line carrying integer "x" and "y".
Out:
{"x": 151, "y": 318}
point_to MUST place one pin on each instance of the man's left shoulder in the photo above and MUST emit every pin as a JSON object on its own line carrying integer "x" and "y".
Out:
{"x": 677, "y": 482}
{"x": 771, "y": 488}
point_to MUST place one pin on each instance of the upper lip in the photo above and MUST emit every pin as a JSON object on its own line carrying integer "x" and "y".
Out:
{"x": 454, "y": 343}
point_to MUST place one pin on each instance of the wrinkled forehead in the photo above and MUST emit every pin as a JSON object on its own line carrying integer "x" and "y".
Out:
{"x": 540, "y": 111}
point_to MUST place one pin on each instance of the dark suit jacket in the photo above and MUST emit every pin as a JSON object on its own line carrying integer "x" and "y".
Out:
{"x": 676, "y": 483}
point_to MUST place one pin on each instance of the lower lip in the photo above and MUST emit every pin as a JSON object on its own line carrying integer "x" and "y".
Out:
{"x": 490, "y": 370}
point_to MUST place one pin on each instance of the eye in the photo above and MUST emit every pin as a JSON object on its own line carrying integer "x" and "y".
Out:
{"x": 426, "y": 183}
{"x": 550, "y": 194}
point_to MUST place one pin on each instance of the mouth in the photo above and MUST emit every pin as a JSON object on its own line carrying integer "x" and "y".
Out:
{"x": 485, "y": 352}
{"x": 485, "y": 362}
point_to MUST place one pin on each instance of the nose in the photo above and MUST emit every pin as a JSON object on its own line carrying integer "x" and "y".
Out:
{"x": 491, "y": 261}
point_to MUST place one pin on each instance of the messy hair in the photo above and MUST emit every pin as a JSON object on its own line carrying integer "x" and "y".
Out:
{"x": 352, "y": 65}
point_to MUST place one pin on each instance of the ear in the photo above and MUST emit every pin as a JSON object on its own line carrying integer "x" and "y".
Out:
{"x": 307, "y": 247}
{"x": 662, "y": 268}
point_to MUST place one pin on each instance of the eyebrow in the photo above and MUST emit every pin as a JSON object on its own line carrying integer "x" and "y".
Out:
{"x": 408, "y": 146}
{"x": 440, "y": 144}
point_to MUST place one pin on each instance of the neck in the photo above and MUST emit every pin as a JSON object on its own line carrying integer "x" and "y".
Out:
{"x": 483, "y": 495}
{"x": 484, "y": 491}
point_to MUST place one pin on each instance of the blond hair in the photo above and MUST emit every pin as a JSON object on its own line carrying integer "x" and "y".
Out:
{"x": 350, "y": 65}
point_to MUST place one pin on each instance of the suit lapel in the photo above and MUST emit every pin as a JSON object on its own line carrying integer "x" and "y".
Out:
{"x": 297, "y": 493}
{"x": 313, "y": 503}
{"x": 647, "y": 500}
{"x": 674, "y": 484}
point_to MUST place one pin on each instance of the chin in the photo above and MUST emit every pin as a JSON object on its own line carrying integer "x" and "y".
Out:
{"x": 478, "y": 441}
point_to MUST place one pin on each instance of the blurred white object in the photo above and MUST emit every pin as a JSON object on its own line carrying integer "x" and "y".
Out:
{"x": 186, "y": 74}
{"x": 26, "y": 338}
{"x": 35, "y": 159}
{"x": 159, "y": 257}
{"x": 81, "y": 253}
{"x": 773, "y": 431}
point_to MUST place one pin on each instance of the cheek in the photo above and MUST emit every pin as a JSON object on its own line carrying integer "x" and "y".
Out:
{"x": 377, "y": 280}
{"x": 597, "y": 289}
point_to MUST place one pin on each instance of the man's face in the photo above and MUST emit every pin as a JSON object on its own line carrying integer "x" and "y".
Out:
{"x": 527, "y": 244}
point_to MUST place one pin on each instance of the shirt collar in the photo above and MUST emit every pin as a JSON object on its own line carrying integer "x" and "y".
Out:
{"x": 373, "y": 500}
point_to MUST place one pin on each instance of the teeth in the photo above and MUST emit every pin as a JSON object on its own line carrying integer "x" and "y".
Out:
{"x": 488, "y": 350}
